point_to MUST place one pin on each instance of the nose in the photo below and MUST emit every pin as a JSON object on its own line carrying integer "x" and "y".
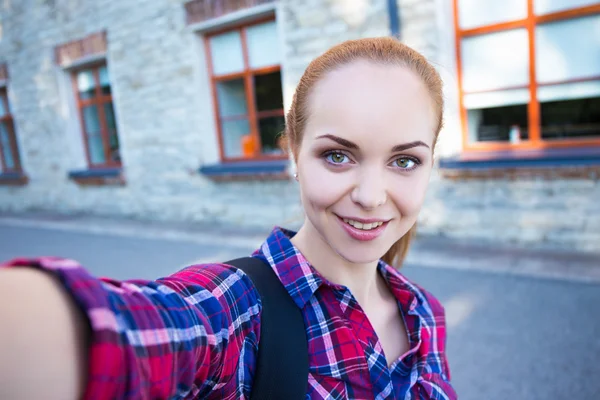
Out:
{"x": 370, "y": 190}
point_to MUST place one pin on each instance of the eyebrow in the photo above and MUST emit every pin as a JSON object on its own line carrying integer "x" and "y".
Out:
{"x": 352, "y": 145}
{"x": 343, "y": 142}
{"x": 406, "y": 146}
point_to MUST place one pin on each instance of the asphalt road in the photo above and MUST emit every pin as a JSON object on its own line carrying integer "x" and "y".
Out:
{"x": 509, "y": 337}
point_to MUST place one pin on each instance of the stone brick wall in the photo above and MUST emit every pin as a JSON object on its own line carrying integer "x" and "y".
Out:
{"x": 167, "y": 130}
{"x": 418, "y": 26}
{"x": 549, "y": 213}
{"x": 160, "y": 99}
{"x": 313, "y": 26}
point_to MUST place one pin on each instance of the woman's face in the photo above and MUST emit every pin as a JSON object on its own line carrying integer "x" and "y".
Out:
{"x": 366, "y": 157}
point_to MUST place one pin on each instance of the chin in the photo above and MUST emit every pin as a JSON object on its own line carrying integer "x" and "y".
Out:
{"x": 359, "y": 258}
{"x": 360, "y": 253}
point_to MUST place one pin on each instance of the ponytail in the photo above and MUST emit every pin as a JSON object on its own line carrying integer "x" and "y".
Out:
{"x": 397, "y": 253}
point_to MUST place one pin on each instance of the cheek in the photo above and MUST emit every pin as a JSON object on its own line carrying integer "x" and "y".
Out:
{"x": 320, "y": 187}
{"x": 410, "y": 194}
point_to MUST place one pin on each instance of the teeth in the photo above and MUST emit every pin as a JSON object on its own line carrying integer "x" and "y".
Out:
{"x": 364, "y": 227}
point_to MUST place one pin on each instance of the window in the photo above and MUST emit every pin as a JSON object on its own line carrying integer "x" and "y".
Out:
{"x": 94, "y": 101}
{"x": 246, "y": 78}
{"x": 529, "y": 73}
{"x": 9, "y": 152}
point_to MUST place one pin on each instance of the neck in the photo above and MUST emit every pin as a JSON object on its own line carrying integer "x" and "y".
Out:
{"x": 363, "y": 280}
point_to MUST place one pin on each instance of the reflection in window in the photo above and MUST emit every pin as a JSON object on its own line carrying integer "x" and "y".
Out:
{"x": 232, "y": 98}
{"x": 267, "y": 89}
{"x": 86, "y": 84}
{"x": 499, "y": 124}
{"x": 233, "y": 133}
{"x": 474, "y": 13}
{"x": 566, "y": 119}
{"x": 270, "y": 132}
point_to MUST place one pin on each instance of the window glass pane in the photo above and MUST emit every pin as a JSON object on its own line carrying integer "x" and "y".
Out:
{"x": 231, "y": 96}
{"x": 566, "y": 119}
{"x": 86, "y": 84}
{"x": 3, "y": 111}
{"x": 473, "y": 13}
{"x": 263, "y": 45}
{"x": 110, "y": 117}
{"x": 496, "y": 60}
{"x": 271, "y": 130}
{"x": 267, "y": 89}
{"x": 569, "y": 91}
{"x": 90, "y": 119}
{"x": 226, "y": 53}
{"x": 233, "y": 133}
{"x": 104, "y": 80}
{"x": 497, "y": 98}
{"x": 113, "y": 137}
{"x": 549, "y": 6}
{"x": 498, "y": 124}
{"x": 92, "y": 130}
{"x": 5, "y": 143}
{"x": 568, "y": 49}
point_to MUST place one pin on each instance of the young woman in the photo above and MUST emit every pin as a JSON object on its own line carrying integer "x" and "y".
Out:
{"x": 362, "y": 129}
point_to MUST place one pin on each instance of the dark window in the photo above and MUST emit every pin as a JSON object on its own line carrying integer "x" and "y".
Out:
{"x": 571, "y": 119}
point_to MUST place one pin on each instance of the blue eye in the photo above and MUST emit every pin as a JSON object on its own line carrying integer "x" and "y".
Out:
{"x": 337, "y": 158}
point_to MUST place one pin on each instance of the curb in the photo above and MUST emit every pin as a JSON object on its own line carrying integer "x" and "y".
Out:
{"x": 426, "y": 253}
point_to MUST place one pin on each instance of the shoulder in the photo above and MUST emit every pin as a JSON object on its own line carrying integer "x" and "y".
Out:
{"x": 427, "y": 304}
{"x": 213, "y": 276}
{"x": 218, "y": 287}
{"x": 432, "y": 303}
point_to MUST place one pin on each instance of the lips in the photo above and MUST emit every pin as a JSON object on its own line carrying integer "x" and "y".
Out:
{"x": 363, "y": 230}
{"x": 367, "y": 226}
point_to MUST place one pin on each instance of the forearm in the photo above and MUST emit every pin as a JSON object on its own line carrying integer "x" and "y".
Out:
{"x": 150, "y": 339}
{"x": 43, "y": 338}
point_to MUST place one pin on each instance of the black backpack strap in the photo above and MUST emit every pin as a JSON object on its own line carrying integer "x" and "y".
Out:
{"x": 282, "y": 365}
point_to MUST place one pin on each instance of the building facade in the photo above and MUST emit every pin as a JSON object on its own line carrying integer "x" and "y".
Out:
{"x": 172, "y": 109}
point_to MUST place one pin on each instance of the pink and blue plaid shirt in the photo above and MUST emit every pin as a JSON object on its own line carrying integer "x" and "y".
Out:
{"x": 195, "y": 334}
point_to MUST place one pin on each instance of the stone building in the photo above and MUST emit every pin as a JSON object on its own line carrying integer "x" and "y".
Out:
{"x": 171, "y": 109}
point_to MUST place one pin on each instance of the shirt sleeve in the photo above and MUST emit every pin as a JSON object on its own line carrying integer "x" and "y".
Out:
{"x": 176, "y": 337}
{"x": 434, "y": 378}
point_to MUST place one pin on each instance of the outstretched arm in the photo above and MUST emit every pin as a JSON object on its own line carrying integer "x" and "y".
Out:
{"x": 65, "y": 334}
{"x": 43, "y": 338}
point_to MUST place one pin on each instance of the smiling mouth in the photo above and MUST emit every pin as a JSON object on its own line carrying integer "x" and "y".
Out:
{"x": 363, "y": 226}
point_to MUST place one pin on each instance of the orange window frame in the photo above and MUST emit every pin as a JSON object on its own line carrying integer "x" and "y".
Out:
{"x": 535, "y": 140}
{"x": 99, "y": 100}
{"x": 7, "y": 120}
{"x": 247, "y": 75}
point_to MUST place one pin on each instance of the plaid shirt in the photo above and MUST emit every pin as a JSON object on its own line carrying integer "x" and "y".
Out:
{"x": 195, "y": 334}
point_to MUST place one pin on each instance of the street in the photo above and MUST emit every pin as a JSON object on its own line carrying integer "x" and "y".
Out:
{"x": 510, "y": 337}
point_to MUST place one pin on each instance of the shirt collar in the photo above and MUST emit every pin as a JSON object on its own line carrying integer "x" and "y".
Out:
{"x": 301, "y": 280}
{"x": 406, "y": 292}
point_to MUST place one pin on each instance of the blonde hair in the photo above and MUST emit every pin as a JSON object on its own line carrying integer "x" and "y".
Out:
{"x": 382, "y": 50}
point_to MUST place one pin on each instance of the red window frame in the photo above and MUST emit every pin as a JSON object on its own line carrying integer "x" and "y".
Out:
{"x": 247, "y": 74}
{"x": 99, "y": 100}
{"x": 7, "y": 120}
{"x": 533, "y": 109}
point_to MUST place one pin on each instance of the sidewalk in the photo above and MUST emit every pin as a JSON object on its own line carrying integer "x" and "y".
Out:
{"x": 427, "y": 251}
